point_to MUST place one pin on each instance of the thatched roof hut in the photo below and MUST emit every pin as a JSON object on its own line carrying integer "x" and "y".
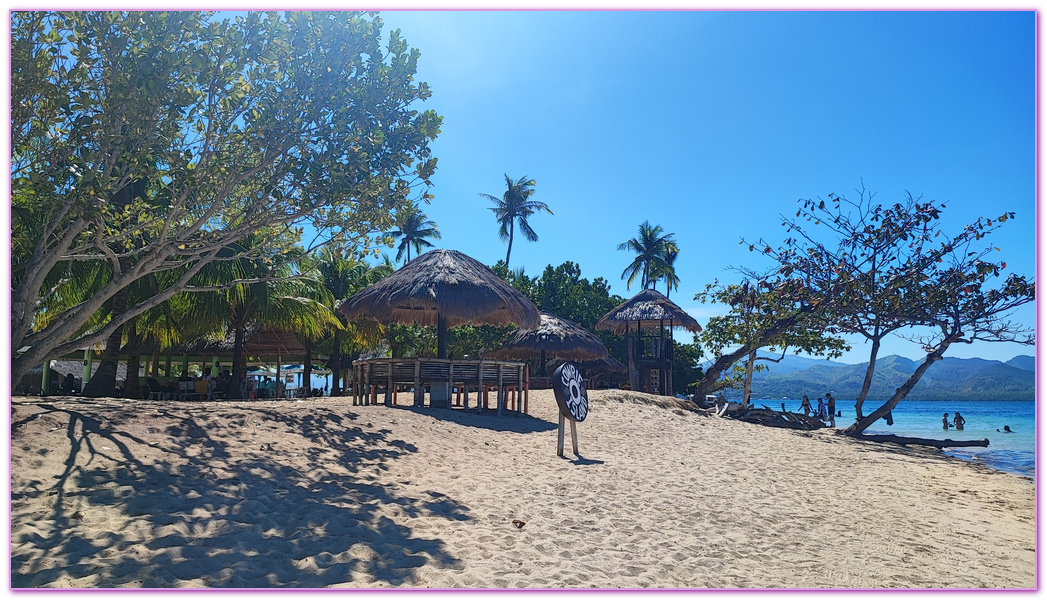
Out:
{"x": 651, "y": 310}
{"x": 607, "y": 364}
{"x": 443, "y": 288}
{"x": 555, "y": 337}
{"x": 257, "y": 342}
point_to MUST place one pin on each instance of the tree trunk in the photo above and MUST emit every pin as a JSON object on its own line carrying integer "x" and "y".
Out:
{"x": 131, "y": 387}
{"x": 859, "y": 426}
{"x": 336, "y": 359}
{"x": 905, "y": 441}
{"x": 103, "y": 382}
{"x": 512, "y": 229}
{"x": 748, "y": 385}
{"x": 868, "y": 378}
{"x": 712, "y": 375}
{"x": 307, "y": 370}
{"x": 239, "y": 365}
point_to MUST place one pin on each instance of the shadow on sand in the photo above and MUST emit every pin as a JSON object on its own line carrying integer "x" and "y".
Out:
{"x": 226, "y": 516}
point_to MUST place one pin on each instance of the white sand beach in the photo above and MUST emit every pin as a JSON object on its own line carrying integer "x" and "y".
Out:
{"x": 321, "y": 493}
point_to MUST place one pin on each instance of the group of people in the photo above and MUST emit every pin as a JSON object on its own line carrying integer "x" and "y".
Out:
{"x": 826, "y": 412}
{"x": 957, "y": 422}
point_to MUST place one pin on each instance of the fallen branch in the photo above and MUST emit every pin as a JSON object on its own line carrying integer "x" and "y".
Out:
{"x": 905, "y": 441}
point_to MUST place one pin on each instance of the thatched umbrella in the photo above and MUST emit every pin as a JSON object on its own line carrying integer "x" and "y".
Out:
{"x": 443, "y": 288}
{"x": 651, "y": 310}
{"x": 555, "y": 337}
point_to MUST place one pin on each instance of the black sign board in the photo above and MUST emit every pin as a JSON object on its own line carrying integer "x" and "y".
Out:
{"x": 569, "y": 390}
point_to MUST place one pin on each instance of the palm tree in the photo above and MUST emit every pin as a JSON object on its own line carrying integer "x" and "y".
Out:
{"x": 342, "y": 277}
{"x": 650, "y": 263}
{"x": 414, "y": 226}
{"x": 515, "y": 206}
{"x": 672, "y": 282}
{"x": 281, "y": 296}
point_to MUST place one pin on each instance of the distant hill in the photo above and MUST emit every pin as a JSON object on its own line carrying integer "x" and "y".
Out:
{"x": 1026, "y": 363}
{"x": 948, "y": 379}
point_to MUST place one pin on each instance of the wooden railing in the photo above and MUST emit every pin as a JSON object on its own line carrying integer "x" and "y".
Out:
{"x": 509, "y": 381}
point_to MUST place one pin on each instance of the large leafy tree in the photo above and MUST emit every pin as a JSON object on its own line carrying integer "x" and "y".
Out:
{"x": 514, "y": 208}
{"x": 651, "y": 247}
{"x": 149, "y": 142}
{"x": 880, "y": 270}
{"x": 413, "y": 229}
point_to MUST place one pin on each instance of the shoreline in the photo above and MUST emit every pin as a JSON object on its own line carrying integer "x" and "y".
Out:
{"x": 320, "y": 493}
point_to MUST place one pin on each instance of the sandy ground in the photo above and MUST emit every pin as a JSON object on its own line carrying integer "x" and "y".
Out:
{"x": 320, "y": 493}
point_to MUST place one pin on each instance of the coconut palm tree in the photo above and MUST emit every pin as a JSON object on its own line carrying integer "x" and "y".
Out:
{"x": 343, "y": 276}
{"x": 281, "y": 296}
{"x": 672, "y": 282}
{"x": 515, "y": 206}
{"x": 414, "y": 227}
{"x": 650, "y": 263}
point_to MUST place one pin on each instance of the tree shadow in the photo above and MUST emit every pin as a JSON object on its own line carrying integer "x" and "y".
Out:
{"x": 227, "y": 514}
{"x": 510, "y": 421}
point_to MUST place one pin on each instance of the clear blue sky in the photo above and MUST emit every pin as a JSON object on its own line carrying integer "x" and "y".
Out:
{"x": 713, "y": 124}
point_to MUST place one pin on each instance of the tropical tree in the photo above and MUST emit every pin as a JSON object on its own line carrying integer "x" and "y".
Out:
{"x": 291, "y": 300}
{"x": 766, "y": 311}
{"x": 672, "y": 282}
{"x": 651, "y": 247}
{"x": 153, "y": 141}
{"x": 343, "y": 273}
{"x": 515, "y": 207}
{"x": 879, "y": 267}
{"x": 413, "y": 227}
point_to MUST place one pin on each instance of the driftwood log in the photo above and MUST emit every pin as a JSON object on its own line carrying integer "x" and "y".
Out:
{"x": 905, "y": 441}
{"x": 772, "y": 418}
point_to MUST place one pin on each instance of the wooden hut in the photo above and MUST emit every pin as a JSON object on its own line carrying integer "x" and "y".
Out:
{"x": 555, "y": 337}
{"x": 652, "y": 317}
{"x": 444, "y": 288}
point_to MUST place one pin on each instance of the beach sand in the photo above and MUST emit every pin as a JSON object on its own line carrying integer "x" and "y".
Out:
{"x": 321, "y": 493}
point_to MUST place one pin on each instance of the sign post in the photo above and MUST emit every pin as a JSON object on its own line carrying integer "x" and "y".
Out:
{"x": 569, "y": 390}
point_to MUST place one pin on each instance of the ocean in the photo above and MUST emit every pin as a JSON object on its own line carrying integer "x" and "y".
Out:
{"x": 1011, "y": 452}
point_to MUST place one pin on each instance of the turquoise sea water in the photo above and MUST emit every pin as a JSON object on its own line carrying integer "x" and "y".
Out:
{"x": 1012, "y": 452}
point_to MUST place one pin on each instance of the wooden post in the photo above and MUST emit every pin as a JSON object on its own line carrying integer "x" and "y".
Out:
{"x": 559, "y": 437}
{"x": 527, "y": 385}
{"x": 389, "y": 391}
{"x": 501, "y": 390}
{"x": 481, "y": 391}
{"x": 367, "y": 385}
{"x": 574, "y": 437}
{"x": 419, "y": 393}
{"x": 450, "y": 384}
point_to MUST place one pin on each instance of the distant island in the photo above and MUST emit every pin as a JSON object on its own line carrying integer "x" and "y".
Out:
{"x": 951, "y": 379}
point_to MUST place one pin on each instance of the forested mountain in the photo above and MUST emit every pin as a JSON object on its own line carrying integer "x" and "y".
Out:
{"x": 949, "y": 379}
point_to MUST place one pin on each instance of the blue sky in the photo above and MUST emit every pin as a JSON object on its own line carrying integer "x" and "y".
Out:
{"x": 713, "y": 124}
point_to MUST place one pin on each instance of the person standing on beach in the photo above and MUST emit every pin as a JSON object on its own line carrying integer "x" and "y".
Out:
{"x": 821, "y": 409}
{"x": 831, "y": 405}
{"x": 806, "y": 406}
{"x": 945, "y": 422}
{"x": 958, "y": 421}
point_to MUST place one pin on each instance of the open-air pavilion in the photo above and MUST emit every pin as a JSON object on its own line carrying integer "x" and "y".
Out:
{"x": 652, "y": 316}
{"x": 555, "y": 337}
{"x": 442, "y": 288}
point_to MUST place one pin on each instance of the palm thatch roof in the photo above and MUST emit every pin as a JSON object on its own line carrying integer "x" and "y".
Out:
{"x": 607, "y": 364}
{"x": 652, "y": 310}
{"x": 556, "y": 337}
{"x": 443, "y": 283}
{"x": 257, "y": 342}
